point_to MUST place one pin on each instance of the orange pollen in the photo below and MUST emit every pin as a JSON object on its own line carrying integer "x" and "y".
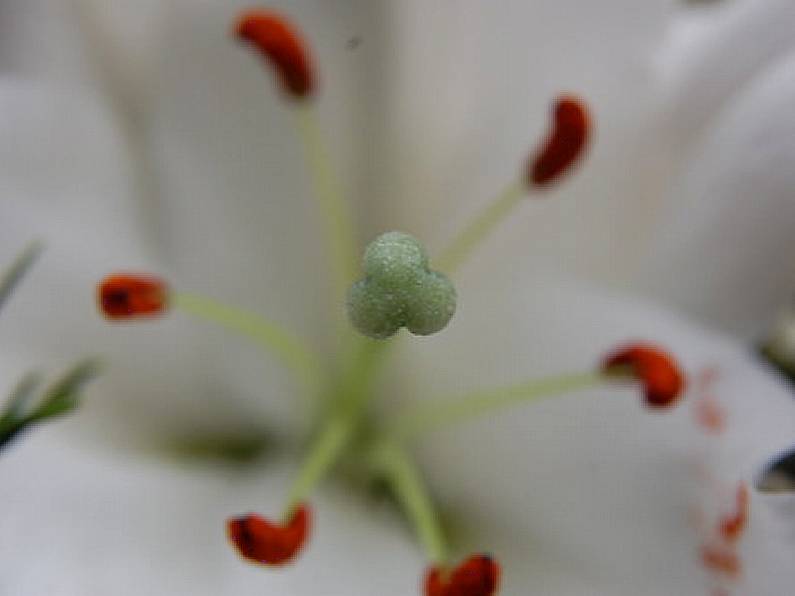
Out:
{"x": 260, "y": 541}
{"x": 722, "y": 560}
{"x": 733, "y": 526}
{"x": 566, "y": 143}
{"x": 128, "y": 295}
{"x": 662, "y": 379}
{"x": 282, "y": 47}
{"x": 479, "y": 575}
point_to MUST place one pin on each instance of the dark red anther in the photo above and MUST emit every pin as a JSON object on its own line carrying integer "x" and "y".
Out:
{"x": 732, "y": 527}
{"x": 282, "y": 47}
{"x": 566, "y": 143}
{"x": 479, "y": 575}
{"x": 130, "y": 295}
{"x": 261, "y": 541}
{"x": 663, "y": 381}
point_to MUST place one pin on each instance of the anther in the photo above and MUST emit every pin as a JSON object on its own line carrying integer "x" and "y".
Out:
{"x": 479, "y": 575}
{"x": 399, "y": 290}
{"x": 567, "y": 141}
{"x": 260, "y": 541}
{"x": 663, "y": 381}
{"x": 129, "y": 295}
{"x": 282, "y": 46}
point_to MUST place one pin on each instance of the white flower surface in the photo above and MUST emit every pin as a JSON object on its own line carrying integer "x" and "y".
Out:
{"x": 140, "y": 136}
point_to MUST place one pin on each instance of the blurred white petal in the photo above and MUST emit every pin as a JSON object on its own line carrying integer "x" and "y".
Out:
{"x": 725, "y": 241}
{"x": 77, "y": 522}
{"x": 594, "y": 484}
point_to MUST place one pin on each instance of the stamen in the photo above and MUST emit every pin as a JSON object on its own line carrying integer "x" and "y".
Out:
{"x": 350, "y": 396}
{"x": 322, "y": 455}
{"x": 566, "y": 143}
{"x": 260, "y": 541}
{"x": 479, "y": 575}
{"x": 454, "y": 255}
{"x": 659, "y": 372}
{"x": 293, "y": 352}
{"x": 125, "y": 296}
{"x": 399, "y": 290}
{"x": 282, "y": 47}
{"x": 472, "y": 405}
{"x": 394, "y": 463}
{"x": 333, "y": 206}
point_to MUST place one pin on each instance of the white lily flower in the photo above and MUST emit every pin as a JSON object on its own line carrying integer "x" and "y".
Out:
{"x": 143, "y": 138}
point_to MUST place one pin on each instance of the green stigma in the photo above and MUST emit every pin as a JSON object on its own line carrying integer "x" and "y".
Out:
{"x": 399, "y": 290}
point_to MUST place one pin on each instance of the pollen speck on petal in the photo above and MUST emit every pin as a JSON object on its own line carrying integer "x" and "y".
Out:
{"x": 282, "y": 46}
{"x": 722, "y": 560}
{"x": 260, "y": 541}
{"x": 479, "y": 575}
{"x": 733, "y": 526}
{"x": 130, "y": 295}
{"x": 662, "y": 378}
{"x": 571, "y": 131}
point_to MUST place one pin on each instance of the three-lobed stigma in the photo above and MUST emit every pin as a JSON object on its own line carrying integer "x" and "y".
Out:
{"x": 399, "y": 290}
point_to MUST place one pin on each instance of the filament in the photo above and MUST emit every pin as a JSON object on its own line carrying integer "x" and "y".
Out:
{"x": 474, "y": 404}
{"x": 268, "y": 334}
{"x": 335, "y": 210}
{"x": 479, "y": 228}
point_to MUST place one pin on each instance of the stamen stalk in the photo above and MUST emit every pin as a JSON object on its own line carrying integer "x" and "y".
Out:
{"x": 471, "y": 405}
{"x": 478, "y": 229}
{"x": 335, "y": 210}
{"x": 324, "y": 452}
{"x": 270, "y": 335}
{"x": 405, "y": 479}
{"x": 350, "y": 398}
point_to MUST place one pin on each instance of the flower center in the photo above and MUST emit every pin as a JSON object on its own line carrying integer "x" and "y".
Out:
{"x": 400, "y": 287}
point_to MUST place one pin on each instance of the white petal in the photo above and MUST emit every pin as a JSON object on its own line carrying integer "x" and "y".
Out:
{"x": 470, "y": 105}
{"x": 724, "y": 249}
{"x": 77, "y": 521}
{"x": 592, "y": 485}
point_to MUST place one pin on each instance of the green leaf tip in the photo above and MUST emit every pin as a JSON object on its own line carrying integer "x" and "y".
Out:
{"x": 399, "y": 290}
{"x": 62, "y": 397}
{"x": 21, "y": 265}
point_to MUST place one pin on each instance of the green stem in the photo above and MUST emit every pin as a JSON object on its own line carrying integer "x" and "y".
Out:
{"x": 288, "y": 348}
{"x": 478, "y": 229}
{"x": 471, "y": 405}
{"x": 335, "y": 210}
{"x": 404, "y": 478}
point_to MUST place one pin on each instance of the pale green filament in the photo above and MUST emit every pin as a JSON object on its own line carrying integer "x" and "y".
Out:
{"x": 351, "y": 397}
{"x": 399, "y": 470}
{"x": 322, "y": 455}
{"x": 474, "y": 404}
{"x": 288, "y": 348}
{"x": 478, "y": 229}
{"x": 399, "y": 290}
{"x": 335, "y": 210}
